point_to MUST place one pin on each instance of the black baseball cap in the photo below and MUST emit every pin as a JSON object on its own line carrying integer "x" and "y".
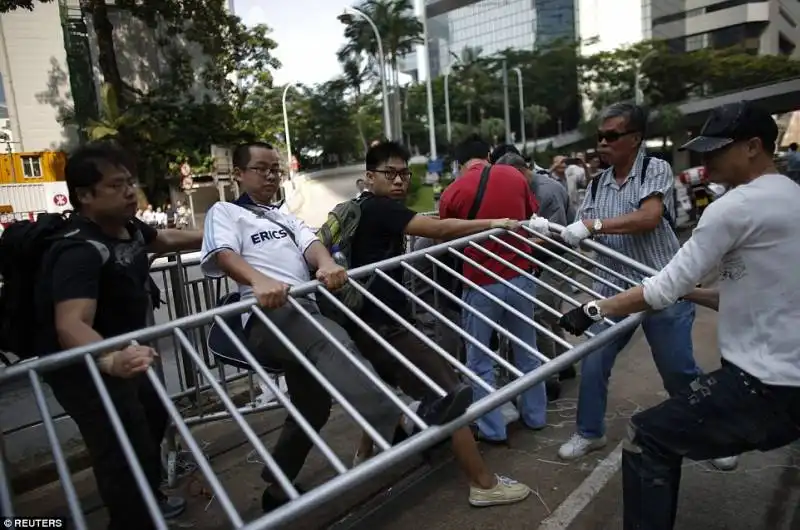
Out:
{"x": 733, "y": 122}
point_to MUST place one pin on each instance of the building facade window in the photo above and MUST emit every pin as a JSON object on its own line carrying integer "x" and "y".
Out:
{"x": 32, "y": 167}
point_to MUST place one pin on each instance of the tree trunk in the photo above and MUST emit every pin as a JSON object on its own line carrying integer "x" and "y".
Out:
{"x": 106, "y": 52}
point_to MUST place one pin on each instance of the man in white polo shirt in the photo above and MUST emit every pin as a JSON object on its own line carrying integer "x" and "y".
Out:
{"x": 753, "y": 402}
{"x": 267, "y": 250}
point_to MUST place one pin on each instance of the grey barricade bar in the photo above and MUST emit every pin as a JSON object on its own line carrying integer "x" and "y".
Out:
{"x": 182, "y": 328}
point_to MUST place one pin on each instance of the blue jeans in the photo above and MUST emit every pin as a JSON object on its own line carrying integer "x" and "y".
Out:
{"x": 533, "y": 400}
{"x": 669, "y": 334}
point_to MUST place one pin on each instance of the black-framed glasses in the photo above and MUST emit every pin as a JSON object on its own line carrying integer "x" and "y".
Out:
{"x": 264, "y": 171}
{"x": 611, "y": 136}
{"x": 393, "y": 173}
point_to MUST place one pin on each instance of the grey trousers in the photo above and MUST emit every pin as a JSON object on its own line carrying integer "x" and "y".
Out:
{"x": 307, "y": 395}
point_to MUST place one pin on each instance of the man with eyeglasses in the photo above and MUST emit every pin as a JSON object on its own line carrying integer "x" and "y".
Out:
{"x": 630, "y": 212}
{"x": 385, "y": 221}
{"x": 266, "y": 250}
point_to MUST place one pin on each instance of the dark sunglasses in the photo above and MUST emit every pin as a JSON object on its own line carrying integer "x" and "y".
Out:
{"x": 611, "y": 136}
{"x": 392, "y": 174}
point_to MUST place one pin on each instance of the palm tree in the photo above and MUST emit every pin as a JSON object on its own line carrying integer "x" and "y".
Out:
{"x": 400, "y": 32}
{"x": 536, "y": 115}
{"x": 354, "y": 77}
{"x": 113, "y": 122}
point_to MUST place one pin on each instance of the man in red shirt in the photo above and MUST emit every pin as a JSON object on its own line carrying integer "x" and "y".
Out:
{"x": 496, "y": 192}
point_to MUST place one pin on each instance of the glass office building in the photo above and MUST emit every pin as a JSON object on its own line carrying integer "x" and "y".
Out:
{"x": 492, "y": 26}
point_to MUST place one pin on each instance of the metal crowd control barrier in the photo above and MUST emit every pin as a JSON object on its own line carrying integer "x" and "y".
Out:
{"x": 180, "y": 330}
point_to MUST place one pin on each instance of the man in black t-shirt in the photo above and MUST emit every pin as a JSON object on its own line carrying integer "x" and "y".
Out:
{"x": 94, "y": 288}
{"x": 385, "y": 221}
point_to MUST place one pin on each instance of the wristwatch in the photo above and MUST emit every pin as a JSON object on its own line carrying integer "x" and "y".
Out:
{"x": 592, "y": 311}
{"x": 597, "y": 226}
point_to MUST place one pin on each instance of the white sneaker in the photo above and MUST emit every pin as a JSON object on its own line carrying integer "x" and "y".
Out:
{"x": 726, "y": 464}
{"x": 578, "y": 446}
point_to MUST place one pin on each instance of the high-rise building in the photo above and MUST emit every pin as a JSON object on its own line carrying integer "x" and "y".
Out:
{"x": 492, "y": 26}
{"x": 761, "y": 26}
{"x": 49, "y": 68}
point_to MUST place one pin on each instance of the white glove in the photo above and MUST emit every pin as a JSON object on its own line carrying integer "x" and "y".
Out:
{"x": 575, "y": 233}
{"x": 539, "y": 224}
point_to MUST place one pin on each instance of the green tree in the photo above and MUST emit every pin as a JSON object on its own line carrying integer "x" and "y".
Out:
{"x": 179, "y": 118}
{"x": 400, "y": 32}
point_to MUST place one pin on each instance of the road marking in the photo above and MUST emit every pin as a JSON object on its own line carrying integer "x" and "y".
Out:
{"x": 579, "y": 499}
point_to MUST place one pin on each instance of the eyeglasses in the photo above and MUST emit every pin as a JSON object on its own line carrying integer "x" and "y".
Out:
{"x": 392, "y": 173}
{"x": 264, "y": 171}
{"x": 611, "y": 136}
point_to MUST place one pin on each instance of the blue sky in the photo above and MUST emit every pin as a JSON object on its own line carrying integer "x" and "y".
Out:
{"x": 307, "y": 32}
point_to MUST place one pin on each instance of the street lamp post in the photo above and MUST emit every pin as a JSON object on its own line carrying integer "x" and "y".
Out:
{"x": 447, "y": 99}
{"x": 637, "y": 92}
{"x": 428, "y": 81}
{"x": 506, "y": 109}
{"x": 447, "y": 107}
{"x": 521, "y": 106}
{"x": 288, "y": 138}
{"x": 346, "y": 18}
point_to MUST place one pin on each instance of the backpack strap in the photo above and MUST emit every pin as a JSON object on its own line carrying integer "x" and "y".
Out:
{"x": 595, "y": 185}
{"x": 102, "y": 249}
{"x": 476, "y": 204}
{"x": 261, "y": 214}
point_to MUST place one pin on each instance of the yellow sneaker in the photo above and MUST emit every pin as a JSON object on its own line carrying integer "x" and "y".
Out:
{"x": 506, "y": 491}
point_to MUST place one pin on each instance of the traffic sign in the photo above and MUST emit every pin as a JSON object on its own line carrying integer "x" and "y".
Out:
{"x": 186, "y": 169}
{"x": 59, "y": 199}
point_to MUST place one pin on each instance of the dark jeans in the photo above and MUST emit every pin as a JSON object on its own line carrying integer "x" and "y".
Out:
{"x": 306, "y": 394}
{"x": 417, "y": 352}
{"x": 721, "y": 414}
{"x": 145, "y": 421}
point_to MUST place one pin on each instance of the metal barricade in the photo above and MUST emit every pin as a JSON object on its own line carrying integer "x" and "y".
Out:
{"x": 185, "y": 332}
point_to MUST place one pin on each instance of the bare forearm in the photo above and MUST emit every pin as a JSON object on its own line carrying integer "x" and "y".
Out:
{"x": 625, "y": 303}
{"x": 705, "y": 297}
{"x": 318, "y": 256}
{"x": 171, "y": 240}
{"x": 455, "y": 228}
{"x": 636, "y": 222}
{"x": 236, "y": 267}
{"x": 76, "y": 333}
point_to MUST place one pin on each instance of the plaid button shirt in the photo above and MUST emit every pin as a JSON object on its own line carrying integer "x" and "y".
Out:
{"x": 655, "y": 248}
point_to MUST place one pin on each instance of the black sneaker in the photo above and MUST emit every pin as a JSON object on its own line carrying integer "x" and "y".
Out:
{"x": 446, "y": 409}
{"x": 553, "y": 388}
{"x": 568, "y": 373}
{"x": 172, "y": 507}
{"x": 269, "y": 501}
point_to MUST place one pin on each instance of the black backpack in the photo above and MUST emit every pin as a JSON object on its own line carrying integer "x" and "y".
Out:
{"x": 23, "y": 246}
{"x": 667, "y": 214}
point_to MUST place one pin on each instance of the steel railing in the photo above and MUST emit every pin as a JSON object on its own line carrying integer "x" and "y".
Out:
{"x": 185, "y": 332}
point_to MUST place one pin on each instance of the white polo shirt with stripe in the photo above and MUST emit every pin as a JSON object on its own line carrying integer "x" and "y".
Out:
{"x": 263, "y": 243}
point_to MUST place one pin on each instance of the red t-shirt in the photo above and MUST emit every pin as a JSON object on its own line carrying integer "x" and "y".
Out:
{"x": 507, "y": 195}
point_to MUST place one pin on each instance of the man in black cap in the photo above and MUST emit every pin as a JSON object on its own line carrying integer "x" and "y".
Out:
{"x": 752, "y": 402}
